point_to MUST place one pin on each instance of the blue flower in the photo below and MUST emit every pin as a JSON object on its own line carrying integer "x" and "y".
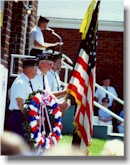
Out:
{"x": 31, "y": 118}
{"x": 44, "y": 144}
{"x": 58, "y": 134}
{"x": 59, "y": 119}
{"x": 36, "y": 134}
{"x": 54, "y": 106}
{"x": 34, "y": 104}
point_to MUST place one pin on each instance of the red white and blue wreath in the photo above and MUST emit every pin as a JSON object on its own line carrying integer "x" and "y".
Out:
{"x": 31, "y": 111}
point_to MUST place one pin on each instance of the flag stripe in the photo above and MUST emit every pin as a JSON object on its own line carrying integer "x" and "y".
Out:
{"x": 72, "y": 89}
{"x": 81, "y": 84}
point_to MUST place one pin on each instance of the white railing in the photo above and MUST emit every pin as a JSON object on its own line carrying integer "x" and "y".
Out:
{"x": 64, "y": 83}
{"x": 116, "y": 98}
{"x": 108, "y": 111}
{"x": 65, "y": 65}
{"x": 13, "y": 56}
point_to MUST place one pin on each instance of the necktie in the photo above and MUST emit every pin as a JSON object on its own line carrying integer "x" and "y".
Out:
{"x": 31, "y": 85}
{"x": 106, "y": 93}
{"x": 43, "y": 83}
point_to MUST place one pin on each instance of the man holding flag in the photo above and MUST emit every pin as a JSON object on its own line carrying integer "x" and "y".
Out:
{"x": 81, "y": 85}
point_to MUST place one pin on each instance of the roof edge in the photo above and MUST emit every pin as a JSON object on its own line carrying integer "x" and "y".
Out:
{"x": 76, "y": 23}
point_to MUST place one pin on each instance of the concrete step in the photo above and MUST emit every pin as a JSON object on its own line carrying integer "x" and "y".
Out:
{"x": 116, "y": 136}
{"x": 105, "y": 132}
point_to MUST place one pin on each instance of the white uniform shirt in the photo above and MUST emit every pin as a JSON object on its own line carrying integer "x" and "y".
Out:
{"x": 36, "y": 34}
{"x": 38, "y": 81}
{"x": 100, "y": 94}
{"x": 54, "y": 81}
{"x": 20, "y": 89}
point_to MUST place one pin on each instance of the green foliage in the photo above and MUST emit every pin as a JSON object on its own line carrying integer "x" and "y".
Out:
{"x": 96, "y": 147}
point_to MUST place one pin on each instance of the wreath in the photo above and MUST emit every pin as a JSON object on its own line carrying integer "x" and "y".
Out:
{"x": 32, "y": 109}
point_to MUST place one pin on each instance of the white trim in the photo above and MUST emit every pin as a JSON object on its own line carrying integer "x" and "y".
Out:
{"x": 76, "y": 23}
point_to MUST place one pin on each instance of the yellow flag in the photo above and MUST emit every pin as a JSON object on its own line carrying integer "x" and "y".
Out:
{"x": 1, "y": 18}
{"x": 87, "y": 19}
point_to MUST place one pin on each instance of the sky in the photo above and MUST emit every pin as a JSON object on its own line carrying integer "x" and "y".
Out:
{"x": 110, "y": 10}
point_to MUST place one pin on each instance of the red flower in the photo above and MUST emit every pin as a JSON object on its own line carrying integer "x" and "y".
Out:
{"x": 55, "y": 135}
{"x": 34, "y": 129}
{"x": 41, "y": 142}
{"x": 32, "y": 113}
{"x": 55, "y": 110}
{"x": 36, "y": 100}
{"x": 58, "y": 125}
{"x": 51, "y": 143}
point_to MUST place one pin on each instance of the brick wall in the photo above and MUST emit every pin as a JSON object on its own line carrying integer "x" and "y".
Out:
{"x": 5, "y": 34}
{"x": 12, "y": 36}
{"x": 109, "y": 53}
{"x": 13, "y": 30}
{"x": 14, "y": 27}
{"x": 110, "y": 58}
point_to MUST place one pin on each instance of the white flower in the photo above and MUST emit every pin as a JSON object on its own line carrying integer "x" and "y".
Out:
{"x": 33, "y": 108}
{"x": 36, "y": 144}
{"x": 58, "y": 114}
{"x": 38, "y": 139}
{"x": 57, "y": 129}
{"x": 37, "y": 117}
{"x": 33, "y": 123}
{"x": 54, "y": 140}
{"x": 38, "y": 95}
{"x": 25, "y": 106}
{"x": 32, "y": 135}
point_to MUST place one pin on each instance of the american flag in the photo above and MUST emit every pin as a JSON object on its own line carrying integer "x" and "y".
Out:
{"x": 81, "y": 85}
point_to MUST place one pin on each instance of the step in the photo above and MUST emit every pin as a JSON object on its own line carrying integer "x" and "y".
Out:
{"x": 116, "y": 136}
{"x": 100, "y": 131}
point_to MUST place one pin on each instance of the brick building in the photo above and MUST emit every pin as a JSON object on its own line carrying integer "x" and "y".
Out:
{"x": 109, "y": 51}
{"x": 14, "y": 34}
{"x": 16, "y": 26}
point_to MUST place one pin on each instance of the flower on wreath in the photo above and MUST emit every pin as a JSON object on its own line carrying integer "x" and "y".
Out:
{"x": 31, "y": 111}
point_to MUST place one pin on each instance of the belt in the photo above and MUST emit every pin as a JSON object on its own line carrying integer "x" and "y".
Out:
{"x": 37, "y": 49}
{"x": 15, "y": 109}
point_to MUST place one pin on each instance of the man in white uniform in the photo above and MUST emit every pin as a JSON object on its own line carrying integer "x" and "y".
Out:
{"x": 20, "y": 90}
{"x": 53, "y": 76}
{"x": 45, "y": 64}
{"x": 36, "y": 38}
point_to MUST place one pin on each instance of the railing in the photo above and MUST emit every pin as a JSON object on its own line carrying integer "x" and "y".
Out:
{"x": 108, "y": 111}
{"x": 13, "y": 56}
{"x": 116, "y": 98}
{"x": 67, "y": 67}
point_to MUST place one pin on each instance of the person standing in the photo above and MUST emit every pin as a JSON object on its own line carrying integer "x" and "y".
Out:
{"x": 100, "y": 94}
{"x": 52, "y": 75}
{"x": 20, "y": 90}
{"x": 36, "y": 38}
{"x": 45, "y": 64}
